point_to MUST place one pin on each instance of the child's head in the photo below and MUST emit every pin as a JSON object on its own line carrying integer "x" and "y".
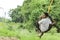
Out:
{"x": 45, "y": 14}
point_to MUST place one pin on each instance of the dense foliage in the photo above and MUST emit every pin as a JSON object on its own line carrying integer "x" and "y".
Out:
{"x": 29, "y": 12}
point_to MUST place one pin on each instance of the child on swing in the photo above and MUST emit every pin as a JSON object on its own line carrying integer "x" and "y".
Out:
{"x": 44, "y": 24}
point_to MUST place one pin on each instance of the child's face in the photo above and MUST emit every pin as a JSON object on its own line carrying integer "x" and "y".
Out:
{"x": 44, "y": 16}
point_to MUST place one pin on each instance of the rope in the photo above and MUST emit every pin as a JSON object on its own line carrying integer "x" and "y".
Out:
{"x": 49, "y": 8}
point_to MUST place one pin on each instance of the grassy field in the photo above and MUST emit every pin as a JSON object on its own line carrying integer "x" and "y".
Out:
{"x": 11, "y": 30}
{"x": 26, "y": 35}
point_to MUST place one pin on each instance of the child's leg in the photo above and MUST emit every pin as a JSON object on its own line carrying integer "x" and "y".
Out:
{"x": 41, "y": 34}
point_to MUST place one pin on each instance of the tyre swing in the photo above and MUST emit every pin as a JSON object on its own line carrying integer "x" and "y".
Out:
{"x": 50, "y": 26}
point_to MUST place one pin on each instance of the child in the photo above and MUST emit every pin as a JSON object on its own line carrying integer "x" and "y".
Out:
{"x": 44, "y": 24}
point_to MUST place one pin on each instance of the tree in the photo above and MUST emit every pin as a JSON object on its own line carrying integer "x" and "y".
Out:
{"x": 29, "y": 12}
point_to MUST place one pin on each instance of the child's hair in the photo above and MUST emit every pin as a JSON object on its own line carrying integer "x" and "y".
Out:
{"x": 46, "y": 14}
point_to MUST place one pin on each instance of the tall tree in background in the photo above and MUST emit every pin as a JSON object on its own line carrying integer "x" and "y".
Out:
{"x": 29, "y": 12}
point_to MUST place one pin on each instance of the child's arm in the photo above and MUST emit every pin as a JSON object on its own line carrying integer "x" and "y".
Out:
{"x": 54, "y": 22}
{"x": 39, "y": 22}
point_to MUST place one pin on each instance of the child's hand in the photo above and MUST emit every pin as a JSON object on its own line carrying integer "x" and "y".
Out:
{"x": 54, "y": 22}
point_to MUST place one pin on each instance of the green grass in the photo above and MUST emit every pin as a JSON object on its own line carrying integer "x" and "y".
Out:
{"x": 24, "y": 34}
{"x": 34, "y": 36}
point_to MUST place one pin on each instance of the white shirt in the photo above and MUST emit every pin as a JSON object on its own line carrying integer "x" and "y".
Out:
{"x": 44, "y": 24}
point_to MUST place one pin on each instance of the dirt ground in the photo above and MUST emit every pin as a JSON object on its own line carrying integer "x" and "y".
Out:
{"x": 8, "y": 38}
